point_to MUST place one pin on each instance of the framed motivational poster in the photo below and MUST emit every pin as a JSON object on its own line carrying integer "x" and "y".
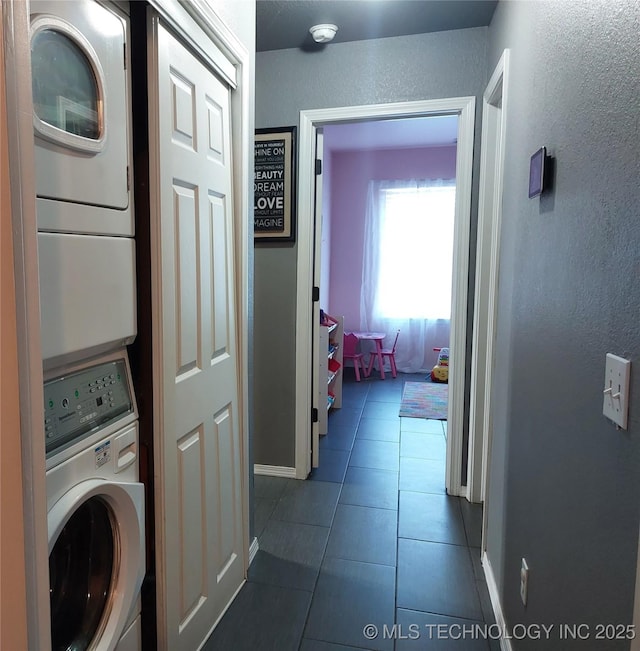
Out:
{"x": 274, "y": 185}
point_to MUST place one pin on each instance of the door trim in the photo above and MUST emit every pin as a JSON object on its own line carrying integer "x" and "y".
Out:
{"x": 310, "y": 120}
{"x": 20, "y": 145}
{"x": 318, "y": 368}
{"x": 487, "y": 269}
{"x": 199, "y": 26}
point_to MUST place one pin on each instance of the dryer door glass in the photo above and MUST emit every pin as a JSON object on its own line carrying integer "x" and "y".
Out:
{"x": 81, "y": 567}
{"x": 66, "y": 92}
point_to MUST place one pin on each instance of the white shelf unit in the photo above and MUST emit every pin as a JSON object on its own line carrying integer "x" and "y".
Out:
{"x": 330, "y": 382}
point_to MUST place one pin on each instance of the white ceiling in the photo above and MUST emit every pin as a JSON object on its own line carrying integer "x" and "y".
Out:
{"x": 433, "y": 131}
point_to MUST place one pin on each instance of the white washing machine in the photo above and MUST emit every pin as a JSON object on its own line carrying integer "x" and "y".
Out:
{"x": 83, "y": 162}
{"x": 95, "y": 506}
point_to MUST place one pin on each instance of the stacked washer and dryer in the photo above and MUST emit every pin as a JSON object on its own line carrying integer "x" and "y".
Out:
{"x": 86, "y": 250}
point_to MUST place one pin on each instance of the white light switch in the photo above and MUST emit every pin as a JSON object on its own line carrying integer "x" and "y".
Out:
{"x": 616, "y": 389}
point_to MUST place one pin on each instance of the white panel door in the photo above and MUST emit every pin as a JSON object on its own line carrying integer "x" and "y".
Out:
{"x": 198, "y": 463}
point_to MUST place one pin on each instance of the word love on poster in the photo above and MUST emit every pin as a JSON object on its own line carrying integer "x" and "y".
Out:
{"x": 273, "y": 185}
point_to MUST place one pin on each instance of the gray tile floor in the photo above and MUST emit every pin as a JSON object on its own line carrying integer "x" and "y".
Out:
{"x": 371, "y": 539}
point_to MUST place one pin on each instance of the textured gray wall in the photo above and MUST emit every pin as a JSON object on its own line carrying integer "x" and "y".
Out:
{"x": 564, "y": 483}
{"x": 240, "y": 17}
{"x": 427, "y": 66}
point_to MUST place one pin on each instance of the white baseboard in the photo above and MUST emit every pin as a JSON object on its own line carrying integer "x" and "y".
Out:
{"x": 253, "y": 550}
{"x": 505, "y": 644}
{"x": 274, "y": 471}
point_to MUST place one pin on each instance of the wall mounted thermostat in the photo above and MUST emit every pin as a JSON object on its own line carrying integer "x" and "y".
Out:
{"x": 538, "y": 173}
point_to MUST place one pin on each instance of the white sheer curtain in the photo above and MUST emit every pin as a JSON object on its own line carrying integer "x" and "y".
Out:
{"x": 407, "y": 267}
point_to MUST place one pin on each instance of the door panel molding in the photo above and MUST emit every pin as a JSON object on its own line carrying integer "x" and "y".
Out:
{"x": 223, "y": 344}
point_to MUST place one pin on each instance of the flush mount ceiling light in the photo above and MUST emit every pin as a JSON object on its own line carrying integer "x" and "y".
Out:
{"x": 323, "y": 33}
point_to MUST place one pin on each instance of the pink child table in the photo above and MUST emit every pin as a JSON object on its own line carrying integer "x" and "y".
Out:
{"x": 377, "y": 338}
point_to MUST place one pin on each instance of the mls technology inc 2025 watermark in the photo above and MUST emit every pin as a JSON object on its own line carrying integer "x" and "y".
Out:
{"x": 474, "y": 631}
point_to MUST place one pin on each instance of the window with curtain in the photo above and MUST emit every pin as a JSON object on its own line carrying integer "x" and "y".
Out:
{"x": 408, "y": 265}
{"x": 415, "y": 246}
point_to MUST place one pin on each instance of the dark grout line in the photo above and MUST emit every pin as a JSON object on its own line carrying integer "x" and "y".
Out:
{"x": 437, "y": 542}
{"x": 429, "y": 612}
{"x": 333, "y": 517}
{"x": 466, "y": 521}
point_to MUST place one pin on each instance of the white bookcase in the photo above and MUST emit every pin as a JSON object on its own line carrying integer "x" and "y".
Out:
{"x": 330, "y": 369}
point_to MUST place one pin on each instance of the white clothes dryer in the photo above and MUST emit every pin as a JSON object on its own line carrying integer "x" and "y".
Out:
{"x": 95, "y": 507}
{"x": 87, "y": 294}
{"x": 81, "y": 117}
{"x": 80, "y": 79}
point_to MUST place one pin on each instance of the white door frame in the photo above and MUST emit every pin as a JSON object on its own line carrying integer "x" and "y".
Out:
{"x": 487, "y": 270}
{"x": 317, "y": 376}
{"x": 464, "y": 107}
{"x": 20, "y": 145}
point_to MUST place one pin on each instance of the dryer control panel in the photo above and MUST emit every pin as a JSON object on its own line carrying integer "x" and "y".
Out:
{"x": 85, "y": 401}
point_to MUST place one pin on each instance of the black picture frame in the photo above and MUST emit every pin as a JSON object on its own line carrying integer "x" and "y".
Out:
{"x": 274, "y": 185}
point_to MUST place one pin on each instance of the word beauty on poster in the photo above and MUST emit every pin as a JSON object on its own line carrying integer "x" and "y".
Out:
{"x": 274, "y": 185}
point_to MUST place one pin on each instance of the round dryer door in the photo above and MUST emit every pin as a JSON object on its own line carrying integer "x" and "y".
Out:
{"x": 68, "y": 87}
{"x": 81, "y": 105}
{"x": 96, "y": 563}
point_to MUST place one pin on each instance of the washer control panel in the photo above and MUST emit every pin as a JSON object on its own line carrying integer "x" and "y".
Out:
{"x": 84, "y": 401}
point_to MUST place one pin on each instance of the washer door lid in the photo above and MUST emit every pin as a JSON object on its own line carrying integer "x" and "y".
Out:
{"x": 96, "y": 562}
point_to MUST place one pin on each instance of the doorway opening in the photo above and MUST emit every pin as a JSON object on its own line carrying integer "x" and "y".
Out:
{"x": 386, "y": 253}
{"x": 310, "y": 123}
{"x": 387, "y": 230}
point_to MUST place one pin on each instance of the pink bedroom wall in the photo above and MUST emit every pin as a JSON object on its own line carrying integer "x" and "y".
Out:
{"x": 350, "y": 174}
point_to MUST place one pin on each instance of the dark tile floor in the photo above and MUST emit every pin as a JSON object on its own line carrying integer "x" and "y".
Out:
{"x": 371, "y": 539}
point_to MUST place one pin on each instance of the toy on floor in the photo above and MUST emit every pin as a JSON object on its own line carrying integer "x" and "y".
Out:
{"x": 440, "y": 372}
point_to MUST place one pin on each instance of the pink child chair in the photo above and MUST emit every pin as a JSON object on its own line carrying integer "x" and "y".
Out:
{"x": 386, "y": 352}
{"x": 349, "y": 352}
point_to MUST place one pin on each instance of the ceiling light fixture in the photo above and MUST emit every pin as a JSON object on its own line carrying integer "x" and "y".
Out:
{"x": 323, "y": 33}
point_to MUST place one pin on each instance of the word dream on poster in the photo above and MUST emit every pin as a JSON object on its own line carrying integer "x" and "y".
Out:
{"x": 269, "y": 187}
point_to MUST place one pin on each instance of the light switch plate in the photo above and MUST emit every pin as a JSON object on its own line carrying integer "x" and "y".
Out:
{"x": 616, "y": 389}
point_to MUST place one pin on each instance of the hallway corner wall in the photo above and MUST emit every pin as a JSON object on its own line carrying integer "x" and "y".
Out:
{"x": 564, "y": 482}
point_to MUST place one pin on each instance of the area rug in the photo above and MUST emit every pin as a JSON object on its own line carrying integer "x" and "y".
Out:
{"x": 425, "y": 400}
